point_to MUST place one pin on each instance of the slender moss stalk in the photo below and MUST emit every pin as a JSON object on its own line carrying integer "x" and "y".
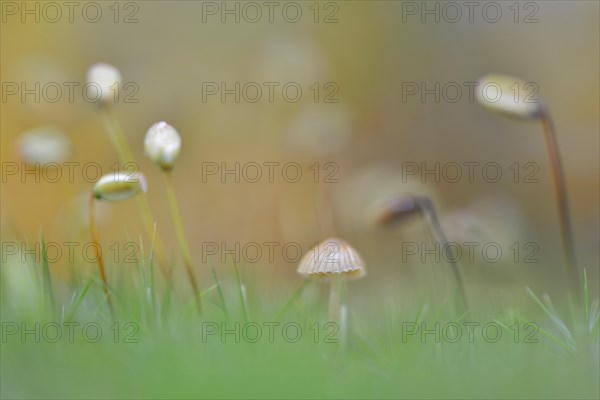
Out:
{"x": 115, "y": 133}
{"x": 117, "y": 138}
{"x": 523, "y": 107}
{"x": 561, "y": 196}
{"x": 98, "y": 250}
{"x": 181, "y": 238}
{"x": 439, "y": 233}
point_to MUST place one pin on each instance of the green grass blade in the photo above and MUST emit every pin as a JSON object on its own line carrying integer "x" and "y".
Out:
{"x": 586, "y": 297}
{"x": 553, "y": 316}
{"x": 151, "y": 259}
{"x": 47, "y": 279}
{"x": 552, "y": 337}
{"x": 241, "y": 292}
{"x": 79, "y": 300}
{"x": 293, "y": 298}
{"x": 220, "y": 291}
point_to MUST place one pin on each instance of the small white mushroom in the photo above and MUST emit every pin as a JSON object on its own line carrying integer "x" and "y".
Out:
{"x": 333, "y": 260}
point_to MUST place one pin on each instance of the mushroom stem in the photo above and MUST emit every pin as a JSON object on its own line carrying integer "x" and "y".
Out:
{"x": 335, "y": 299}
{"x": 343, "y": 326}
{"x": 439, "y": 232}
{"x": 561, "y": 197}
{"x": 117, "y": 138}
{"x": 99, "y": 259}
{"x": 183, "y": 246}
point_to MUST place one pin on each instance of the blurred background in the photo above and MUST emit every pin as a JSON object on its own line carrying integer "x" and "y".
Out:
{"x": 361, "y": 54}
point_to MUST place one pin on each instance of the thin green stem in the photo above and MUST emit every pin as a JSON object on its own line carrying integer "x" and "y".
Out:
{"x": 181, "y": 239}
{"x": 98, "y": 250}
{"x": 115, "y": 133}
{"x": 561, "y": 197}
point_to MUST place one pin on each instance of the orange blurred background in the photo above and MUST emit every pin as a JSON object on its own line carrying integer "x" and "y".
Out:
{"x": 368, "y": 55}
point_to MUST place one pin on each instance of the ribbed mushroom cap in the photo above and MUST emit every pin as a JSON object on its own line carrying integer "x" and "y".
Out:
{"x": 332, "y": 258}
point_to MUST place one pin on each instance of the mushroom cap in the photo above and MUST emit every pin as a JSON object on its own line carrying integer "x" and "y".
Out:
{"x": 509, "y": 96}
{"x": 332, "y": 258}
{"x": 120, "y": 186}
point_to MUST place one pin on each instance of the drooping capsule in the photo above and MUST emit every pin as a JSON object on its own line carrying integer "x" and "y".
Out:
{"x": 120, "y": 186}
{"x": 509, "y": 96}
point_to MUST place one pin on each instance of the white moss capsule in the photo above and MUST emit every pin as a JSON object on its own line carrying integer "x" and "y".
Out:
{"x": 120, "y": 186}
{"x": 162, "y": 144}
{"x": 43, "y": 146}
{"x": 103, "y": 81}
{"x": 510, "y": 96}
